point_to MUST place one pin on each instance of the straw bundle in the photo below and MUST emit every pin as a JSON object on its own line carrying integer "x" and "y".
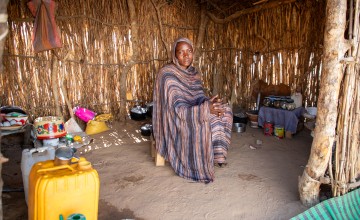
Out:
{"x": 347, "y": 155}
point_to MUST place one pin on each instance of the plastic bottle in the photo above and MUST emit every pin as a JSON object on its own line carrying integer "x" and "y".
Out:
{"x": 69, "y": 139}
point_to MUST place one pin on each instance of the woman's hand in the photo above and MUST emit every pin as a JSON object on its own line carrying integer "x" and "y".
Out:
{"x": 216, "y": 106}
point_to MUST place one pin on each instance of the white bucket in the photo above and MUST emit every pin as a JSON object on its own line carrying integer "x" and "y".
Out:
{"x": 254, "y": 124}
{"x": 31, "y": 156}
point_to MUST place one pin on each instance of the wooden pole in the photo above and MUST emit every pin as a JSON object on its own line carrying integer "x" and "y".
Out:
{"x": 254, "y": 9}
{"x": 133, "y": 59}
{"x": 3, "y": 34}
{"x": 162, "y": 35}
{"x": 54, "y": 83}
{"x": 64, "y": 90}
{"x": 201, "y": 34}
{"x": 335, "y": 47}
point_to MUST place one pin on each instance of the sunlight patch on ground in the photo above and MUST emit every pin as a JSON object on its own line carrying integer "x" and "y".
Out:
{"x": 115, "y": 138}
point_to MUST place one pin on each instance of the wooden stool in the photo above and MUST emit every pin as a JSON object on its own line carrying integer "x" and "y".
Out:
{"x": 159, "y": 160}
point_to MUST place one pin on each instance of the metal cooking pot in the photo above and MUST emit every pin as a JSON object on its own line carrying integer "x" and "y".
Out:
{"x": 277, "y": 103}
{"x": 138, "y": 113}
{"x": 239, "y": 127}
{"x": 240, "y": 118}
{"x": 149, "y": 108}
{"x": 146, "y": 130}
{"x": 63, "y": 155}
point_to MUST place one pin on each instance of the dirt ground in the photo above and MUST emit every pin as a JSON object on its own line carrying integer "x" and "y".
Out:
{"x": 260, "y": 181}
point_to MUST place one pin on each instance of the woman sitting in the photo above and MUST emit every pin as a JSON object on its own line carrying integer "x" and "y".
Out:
{"x": 191, "y": 130}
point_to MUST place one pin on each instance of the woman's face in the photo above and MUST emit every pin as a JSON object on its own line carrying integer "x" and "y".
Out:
{"x": 184, "y": 54}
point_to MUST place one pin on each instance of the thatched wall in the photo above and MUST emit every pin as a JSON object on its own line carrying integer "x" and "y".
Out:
{"x": 98, "y": 46}
{"x": 278, "y": 45}
{"x": 112, "y": 51}
{"x": 345, "y": 173}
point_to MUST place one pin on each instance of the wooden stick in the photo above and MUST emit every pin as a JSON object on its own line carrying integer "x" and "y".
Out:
{"x": 157, "y": 10}
{"x": 248, "y": 11}
{"x": 54, "y": 83}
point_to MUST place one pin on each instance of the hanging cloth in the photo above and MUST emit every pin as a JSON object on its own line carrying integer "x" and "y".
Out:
{"x": 46, "y": 34}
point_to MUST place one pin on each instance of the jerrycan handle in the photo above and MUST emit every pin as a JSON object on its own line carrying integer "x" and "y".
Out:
{"x": 56, "y": 168}
{"x": 39, "y": 149}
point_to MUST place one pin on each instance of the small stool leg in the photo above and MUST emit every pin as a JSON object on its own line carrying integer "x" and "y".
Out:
{"x": 288, "y": 134}
{"x": 152, "y": 146}
{"x": 159, "y": 160}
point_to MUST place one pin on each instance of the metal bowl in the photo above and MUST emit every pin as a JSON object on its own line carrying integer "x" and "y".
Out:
{"x": 239, "y": 127}
{"x": 277, "y": 103}
{"x": 290, "y": 106}
{"x": 64, "y": 155}
{"x": 267, "y": 102}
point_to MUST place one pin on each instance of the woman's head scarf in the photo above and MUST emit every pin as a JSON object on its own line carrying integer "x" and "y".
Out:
{"x": 173, "y": 52}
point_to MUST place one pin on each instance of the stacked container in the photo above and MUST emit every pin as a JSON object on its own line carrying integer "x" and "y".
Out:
{"x": 63, "y": 190}
{"x": 31, "y": 156}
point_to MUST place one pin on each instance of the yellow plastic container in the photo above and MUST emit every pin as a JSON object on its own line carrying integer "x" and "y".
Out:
{"x": 279, "y": 131}
{"x": 63, "y": 190}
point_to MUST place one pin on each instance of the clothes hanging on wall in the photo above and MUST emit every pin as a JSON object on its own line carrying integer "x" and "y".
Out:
{"x": 46, "y": 35}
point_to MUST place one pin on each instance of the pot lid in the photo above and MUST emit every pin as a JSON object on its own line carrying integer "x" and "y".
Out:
{"x": 146, "y": 127}
{"x": 149, "y": 104}
{"x": 138, "y": 110}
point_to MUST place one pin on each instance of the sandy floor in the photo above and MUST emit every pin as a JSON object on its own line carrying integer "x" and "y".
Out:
{"x": 260, "y": 181}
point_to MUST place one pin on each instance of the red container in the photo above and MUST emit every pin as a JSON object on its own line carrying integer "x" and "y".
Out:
{"x": 268, "y": 128}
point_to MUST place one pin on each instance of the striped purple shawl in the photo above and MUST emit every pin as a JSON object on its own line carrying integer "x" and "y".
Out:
{"x": 186, "y": 134}
{"x": 181, "y": 123}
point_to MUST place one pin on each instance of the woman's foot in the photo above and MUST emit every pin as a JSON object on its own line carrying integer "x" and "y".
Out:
{"x": 221, "y": 165}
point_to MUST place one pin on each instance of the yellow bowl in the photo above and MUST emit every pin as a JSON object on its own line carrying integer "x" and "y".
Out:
{"x": 49, "y": 127}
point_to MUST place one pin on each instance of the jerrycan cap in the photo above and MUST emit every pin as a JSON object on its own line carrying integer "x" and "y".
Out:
{"x": 84, "y": 165}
